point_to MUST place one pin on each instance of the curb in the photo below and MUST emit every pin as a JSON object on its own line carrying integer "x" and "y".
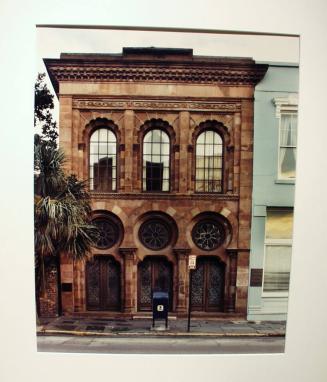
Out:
{"x": 50, "y": 332}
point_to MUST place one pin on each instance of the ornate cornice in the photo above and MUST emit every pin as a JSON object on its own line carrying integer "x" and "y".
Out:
{"x": 161, "y": 196}
{"x": 231, "y": 107}
{"x": 229, "y": 73}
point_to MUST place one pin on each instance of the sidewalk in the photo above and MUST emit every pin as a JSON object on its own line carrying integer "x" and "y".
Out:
{"x": 106, "y": 327}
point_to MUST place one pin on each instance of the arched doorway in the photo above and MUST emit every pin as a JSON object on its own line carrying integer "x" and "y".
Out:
{"x": 155, "y": 273}
{"x": 208, "y": 282}
{"x": 103, "y": 284}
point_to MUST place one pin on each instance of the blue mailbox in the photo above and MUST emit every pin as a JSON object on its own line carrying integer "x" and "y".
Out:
{"x": 160, "y": 306}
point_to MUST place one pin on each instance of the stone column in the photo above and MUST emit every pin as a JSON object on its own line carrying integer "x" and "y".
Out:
{"x": 130, "y": 269}
{"x": 65, "y": 129}
{"x": 79, "y": 286}
{"x": 184, "y": 128}
{"x": 232, "y": 280}
{"x": 128, "y": 127}
{"x": 182, "y": 295}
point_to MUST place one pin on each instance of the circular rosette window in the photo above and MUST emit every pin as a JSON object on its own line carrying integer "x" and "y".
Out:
{"x": 108, "y": 233}
{"x": 208, "y": 234}
{"x": 155, "y": 234}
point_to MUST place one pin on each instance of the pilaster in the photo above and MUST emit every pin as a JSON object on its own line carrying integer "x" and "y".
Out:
{"x": 130, "y": 273}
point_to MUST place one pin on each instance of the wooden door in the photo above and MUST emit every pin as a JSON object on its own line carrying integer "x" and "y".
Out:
{"x": 103, "y": 284}
{"x": 208, "y": 284}
{"x": 155, "y": 274}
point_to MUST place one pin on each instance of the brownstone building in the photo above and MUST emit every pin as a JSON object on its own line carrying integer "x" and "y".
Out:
{"x": 165, "y": 140}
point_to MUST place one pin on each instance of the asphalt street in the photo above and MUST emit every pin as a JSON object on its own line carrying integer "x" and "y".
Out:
{"x": 155, "y": 345}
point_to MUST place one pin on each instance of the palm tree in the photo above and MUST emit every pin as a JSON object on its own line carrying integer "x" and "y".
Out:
{"x": 61, "y": 212}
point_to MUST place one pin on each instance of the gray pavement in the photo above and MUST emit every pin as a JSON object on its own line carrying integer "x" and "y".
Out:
{"x": 164, "y": 345}
{"x": 107, "y": 327}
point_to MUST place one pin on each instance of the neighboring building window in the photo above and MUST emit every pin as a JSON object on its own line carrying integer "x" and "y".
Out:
{"x": 103, "y": 160}
{"x": 208, "y": 162}
{"x": 286, "y": 112}
{"x": 287, "y": 145}
{"x": 278, "y": 249}
{"x": 156, "y": 161}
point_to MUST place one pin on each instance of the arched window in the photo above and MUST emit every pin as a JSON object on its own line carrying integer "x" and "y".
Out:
{"x": 103, "y": 160}
{"x": 156, "y": 161}
{"x": 209, "y": 162}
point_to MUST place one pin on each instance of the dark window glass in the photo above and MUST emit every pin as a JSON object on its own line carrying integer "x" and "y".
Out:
{"x": 209, "y": 162}
{"x": 156, "y": 151}
{"x": 103, "y": 161}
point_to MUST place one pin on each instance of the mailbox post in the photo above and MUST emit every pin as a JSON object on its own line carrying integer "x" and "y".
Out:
{"x": 160, "y": 305}
{"x": 191, "y": 267}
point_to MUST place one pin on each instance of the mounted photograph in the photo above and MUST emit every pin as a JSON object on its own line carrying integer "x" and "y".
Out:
{"x": 164, "y": 173}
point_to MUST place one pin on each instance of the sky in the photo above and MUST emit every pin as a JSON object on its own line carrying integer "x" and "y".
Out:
{"x": 53, "y": 41}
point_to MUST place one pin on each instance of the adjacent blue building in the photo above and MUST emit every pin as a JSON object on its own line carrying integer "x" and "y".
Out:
{"x": 275, "y": 130}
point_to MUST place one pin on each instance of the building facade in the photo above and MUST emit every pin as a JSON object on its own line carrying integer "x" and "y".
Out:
{"x": 275, "y": 130}
{"x": 165, "y": 140}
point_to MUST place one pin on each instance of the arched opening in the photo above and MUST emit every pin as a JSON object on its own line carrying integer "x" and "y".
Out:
{"x": 156, "y": 161}
{"x": 103, "y": 284}
{"x": 209, "y": 162}
{"x": 208, "y": 283}
{"x": 155, "y": 274}
{"x": 103, "y": 160}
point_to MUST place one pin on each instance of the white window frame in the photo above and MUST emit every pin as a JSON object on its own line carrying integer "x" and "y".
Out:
{"x": 284, "y": 106}
{"x": 274, "y": 242}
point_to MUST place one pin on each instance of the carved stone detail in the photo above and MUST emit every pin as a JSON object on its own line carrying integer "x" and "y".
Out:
{"x": 204, "y": 74}
{"x": 154, "y": 104}
{"x": 158, "y": 196}
{"x": 182, "y": 253}
{"x": 128, "y": 253}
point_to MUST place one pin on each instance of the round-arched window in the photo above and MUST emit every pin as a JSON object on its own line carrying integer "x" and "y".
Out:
{"x": 109, "y": 232}
{"x": 209, "y": 162}
{"x": 208, "y": 234}
{"x": 103, "y": 160}
{"x": 155, "y": 234}
{"x": 156, "y": 152}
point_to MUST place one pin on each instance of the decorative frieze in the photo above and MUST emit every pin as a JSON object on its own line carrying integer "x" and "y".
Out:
{"x": 158, "y": 196}
{"x": 223, "y": 107}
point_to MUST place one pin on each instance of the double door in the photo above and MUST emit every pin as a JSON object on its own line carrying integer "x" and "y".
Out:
{"x": 208, "y": 283}
{"x": 155, "y": 274}
{"x": 103, "y": 284}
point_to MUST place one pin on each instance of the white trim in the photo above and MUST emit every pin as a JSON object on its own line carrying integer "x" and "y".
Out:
{"x": 286, "y": 104}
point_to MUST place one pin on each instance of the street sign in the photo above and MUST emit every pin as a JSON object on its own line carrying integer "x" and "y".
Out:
{"x": 192, "y": 262}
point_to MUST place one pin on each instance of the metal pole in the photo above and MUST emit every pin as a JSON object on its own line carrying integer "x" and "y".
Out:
{"x": 189, "y": 300}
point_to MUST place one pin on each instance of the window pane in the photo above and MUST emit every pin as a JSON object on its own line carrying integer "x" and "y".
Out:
{"x": 209, "y": 137}
{"x": 103, "y": 160}
{"x": 156, "y": 136}
{"x": 146, "y": 148}
{"x": 287, "y": 162}
{"x": 165, "y": 149}
{"x": 277, "y": 268}
{"x": 156, "y": 148}
{"x": 209, "y": 160}
{"x": 103, "y": 135}
{"x": 279, "y": 224}
{"x": 103, "y": 148}
{"x": 156, "y": 161}
{"x": 95, "y": 136}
